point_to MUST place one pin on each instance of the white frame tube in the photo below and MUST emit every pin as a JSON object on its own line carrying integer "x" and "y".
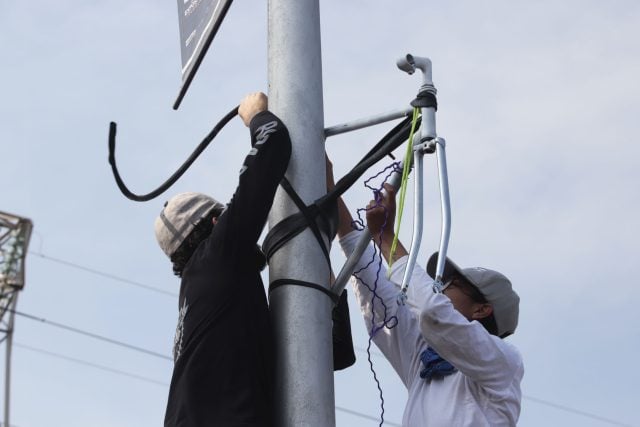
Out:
{"x": 366, "y": 122}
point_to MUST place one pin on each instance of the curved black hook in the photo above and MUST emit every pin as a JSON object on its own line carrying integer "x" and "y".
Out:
{"x": 176, "y": 175}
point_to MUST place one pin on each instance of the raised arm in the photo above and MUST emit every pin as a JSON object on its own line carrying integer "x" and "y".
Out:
{"x": 367, "y": 267}
{"x": 380, "y": 219}
{"x": 482, "y": 357}
{"x": 263, "y": 169}
{"x": 397, "y": 342}
{"x": 467, "y": 345}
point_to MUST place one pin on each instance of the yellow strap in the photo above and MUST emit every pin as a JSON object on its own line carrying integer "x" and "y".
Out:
{"x": 403, "y": 187}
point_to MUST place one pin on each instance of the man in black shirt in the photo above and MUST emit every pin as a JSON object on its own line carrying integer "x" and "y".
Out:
{"x": 222, "y": 352}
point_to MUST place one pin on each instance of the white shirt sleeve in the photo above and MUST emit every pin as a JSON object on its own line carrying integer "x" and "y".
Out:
{"x": 400, "y": 340}
{"x": 484, "y": 358}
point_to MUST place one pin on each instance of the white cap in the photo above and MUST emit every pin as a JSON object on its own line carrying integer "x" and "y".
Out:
{"x": 179, "y": 217}
{"x": 494, "y": 286}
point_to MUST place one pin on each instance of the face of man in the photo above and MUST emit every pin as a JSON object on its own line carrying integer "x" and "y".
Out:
{"x": 467, "y": 299}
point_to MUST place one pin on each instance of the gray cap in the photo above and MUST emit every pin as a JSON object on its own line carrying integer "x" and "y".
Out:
{"x": 179, "y": 217}
{"x": 495, "y": 287}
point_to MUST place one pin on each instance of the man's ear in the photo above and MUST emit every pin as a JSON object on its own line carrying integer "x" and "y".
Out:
{"x": 480, "y": 311}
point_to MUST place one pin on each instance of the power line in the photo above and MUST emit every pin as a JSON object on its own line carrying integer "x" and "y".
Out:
{"x": 92, "y": 335}
{"x": 104, "y": 274}
{"x": 364, "y": 350}
{"x": 543, "y": 402}
{"x": 577, "y": 412}
{"x": 368, "y": 417}
{"x": 90, "y": 364}
{"x": 150, "y": 380}
{"x": 120, "y": 279}
{"x": 349, "y": 411}
{"x": 132, "y": 347}
{"x": 162, "y": 291}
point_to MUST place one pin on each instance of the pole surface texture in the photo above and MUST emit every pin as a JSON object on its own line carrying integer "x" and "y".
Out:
{"x": 7, "y": 366}
{"x": 301, "y": 316}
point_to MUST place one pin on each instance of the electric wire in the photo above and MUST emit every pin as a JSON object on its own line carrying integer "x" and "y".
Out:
{"x": 91, "y": 334}
{"x": 152, "y": 381}
{"x": 104, "y": 274}
{"x": 359, "y": 349}
{"x": 154, "y": 289}
{"x": 577, "y": 412}
{"x": 364, "y": 350}
{"x": 90, "y": 364}
{"x": 142, "y": 350}
{"x": 369, "y": 353}
{"x": 342, "y": 409}
{"x": 539, "y": 401}
{"x": 368, "y": 417}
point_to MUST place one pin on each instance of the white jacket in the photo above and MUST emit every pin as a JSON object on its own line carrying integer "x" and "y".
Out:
{"x": 485, "y": 391}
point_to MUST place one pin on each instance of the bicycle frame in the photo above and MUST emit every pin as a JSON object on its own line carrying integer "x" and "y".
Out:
{"x": 424, "y": 142}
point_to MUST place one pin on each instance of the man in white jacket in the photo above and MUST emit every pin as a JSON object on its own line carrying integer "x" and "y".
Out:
{"x": 447, "y": 344}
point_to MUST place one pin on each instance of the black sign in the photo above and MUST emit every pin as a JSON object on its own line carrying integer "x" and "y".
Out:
{"x": 199, "y": 22}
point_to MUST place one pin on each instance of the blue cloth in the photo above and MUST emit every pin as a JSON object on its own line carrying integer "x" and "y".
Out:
{"x": 434, "y": 365}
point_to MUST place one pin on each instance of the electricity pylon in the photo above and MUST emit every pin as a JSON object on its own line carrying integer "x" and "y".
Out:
{"x": 15, "y": 233}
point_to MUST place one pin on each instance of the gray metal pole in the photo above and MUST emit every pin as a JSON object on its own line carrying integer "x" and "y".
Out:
{"x": 301, "y": 317}
{"x": 7, "y": 368}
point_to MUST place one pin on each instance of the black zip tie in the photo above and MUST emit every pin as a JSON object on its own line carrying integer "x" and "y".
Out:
{"x": 282, "y": 282}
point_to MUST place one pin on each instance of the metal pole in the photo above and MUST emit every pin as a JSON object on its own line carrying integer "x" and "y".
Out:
{"x": 7, "y": 371}
{"x": 15, "y": 233}
{"x": 301, "y": 317}
{"x": 366, "y": 122}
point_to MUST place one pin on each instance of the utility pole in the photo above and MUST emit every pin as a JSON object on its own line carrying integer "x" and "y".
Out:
{"x": 15, "y": 233}
{"x": 301, "y": 317}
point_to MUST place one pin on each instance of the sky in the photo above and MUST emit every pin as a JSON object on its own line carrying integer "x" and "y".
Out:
{"x": 537, "y": 103}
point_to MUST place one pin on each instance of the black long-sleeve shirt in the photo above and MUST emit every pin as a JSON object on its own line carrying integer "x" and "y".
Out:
{"x": 223, "y": 366}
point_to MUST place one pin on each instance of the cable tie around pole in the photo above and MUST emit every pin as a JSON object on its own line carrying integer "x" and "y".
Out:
{"x": 282, "y": 282}
{"x": 291, "y": 226}
{"x": 310, "y": 213}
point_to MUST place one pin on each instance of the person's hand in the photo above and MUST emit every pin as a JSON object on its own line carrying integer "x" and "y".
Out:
{"x": 382, "y": 213}
{"x": 251, "y": 105}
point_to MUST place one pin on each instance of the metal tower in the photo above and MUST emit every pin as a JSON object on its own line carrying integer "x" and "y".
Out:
{"x": 15, "y": 233}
